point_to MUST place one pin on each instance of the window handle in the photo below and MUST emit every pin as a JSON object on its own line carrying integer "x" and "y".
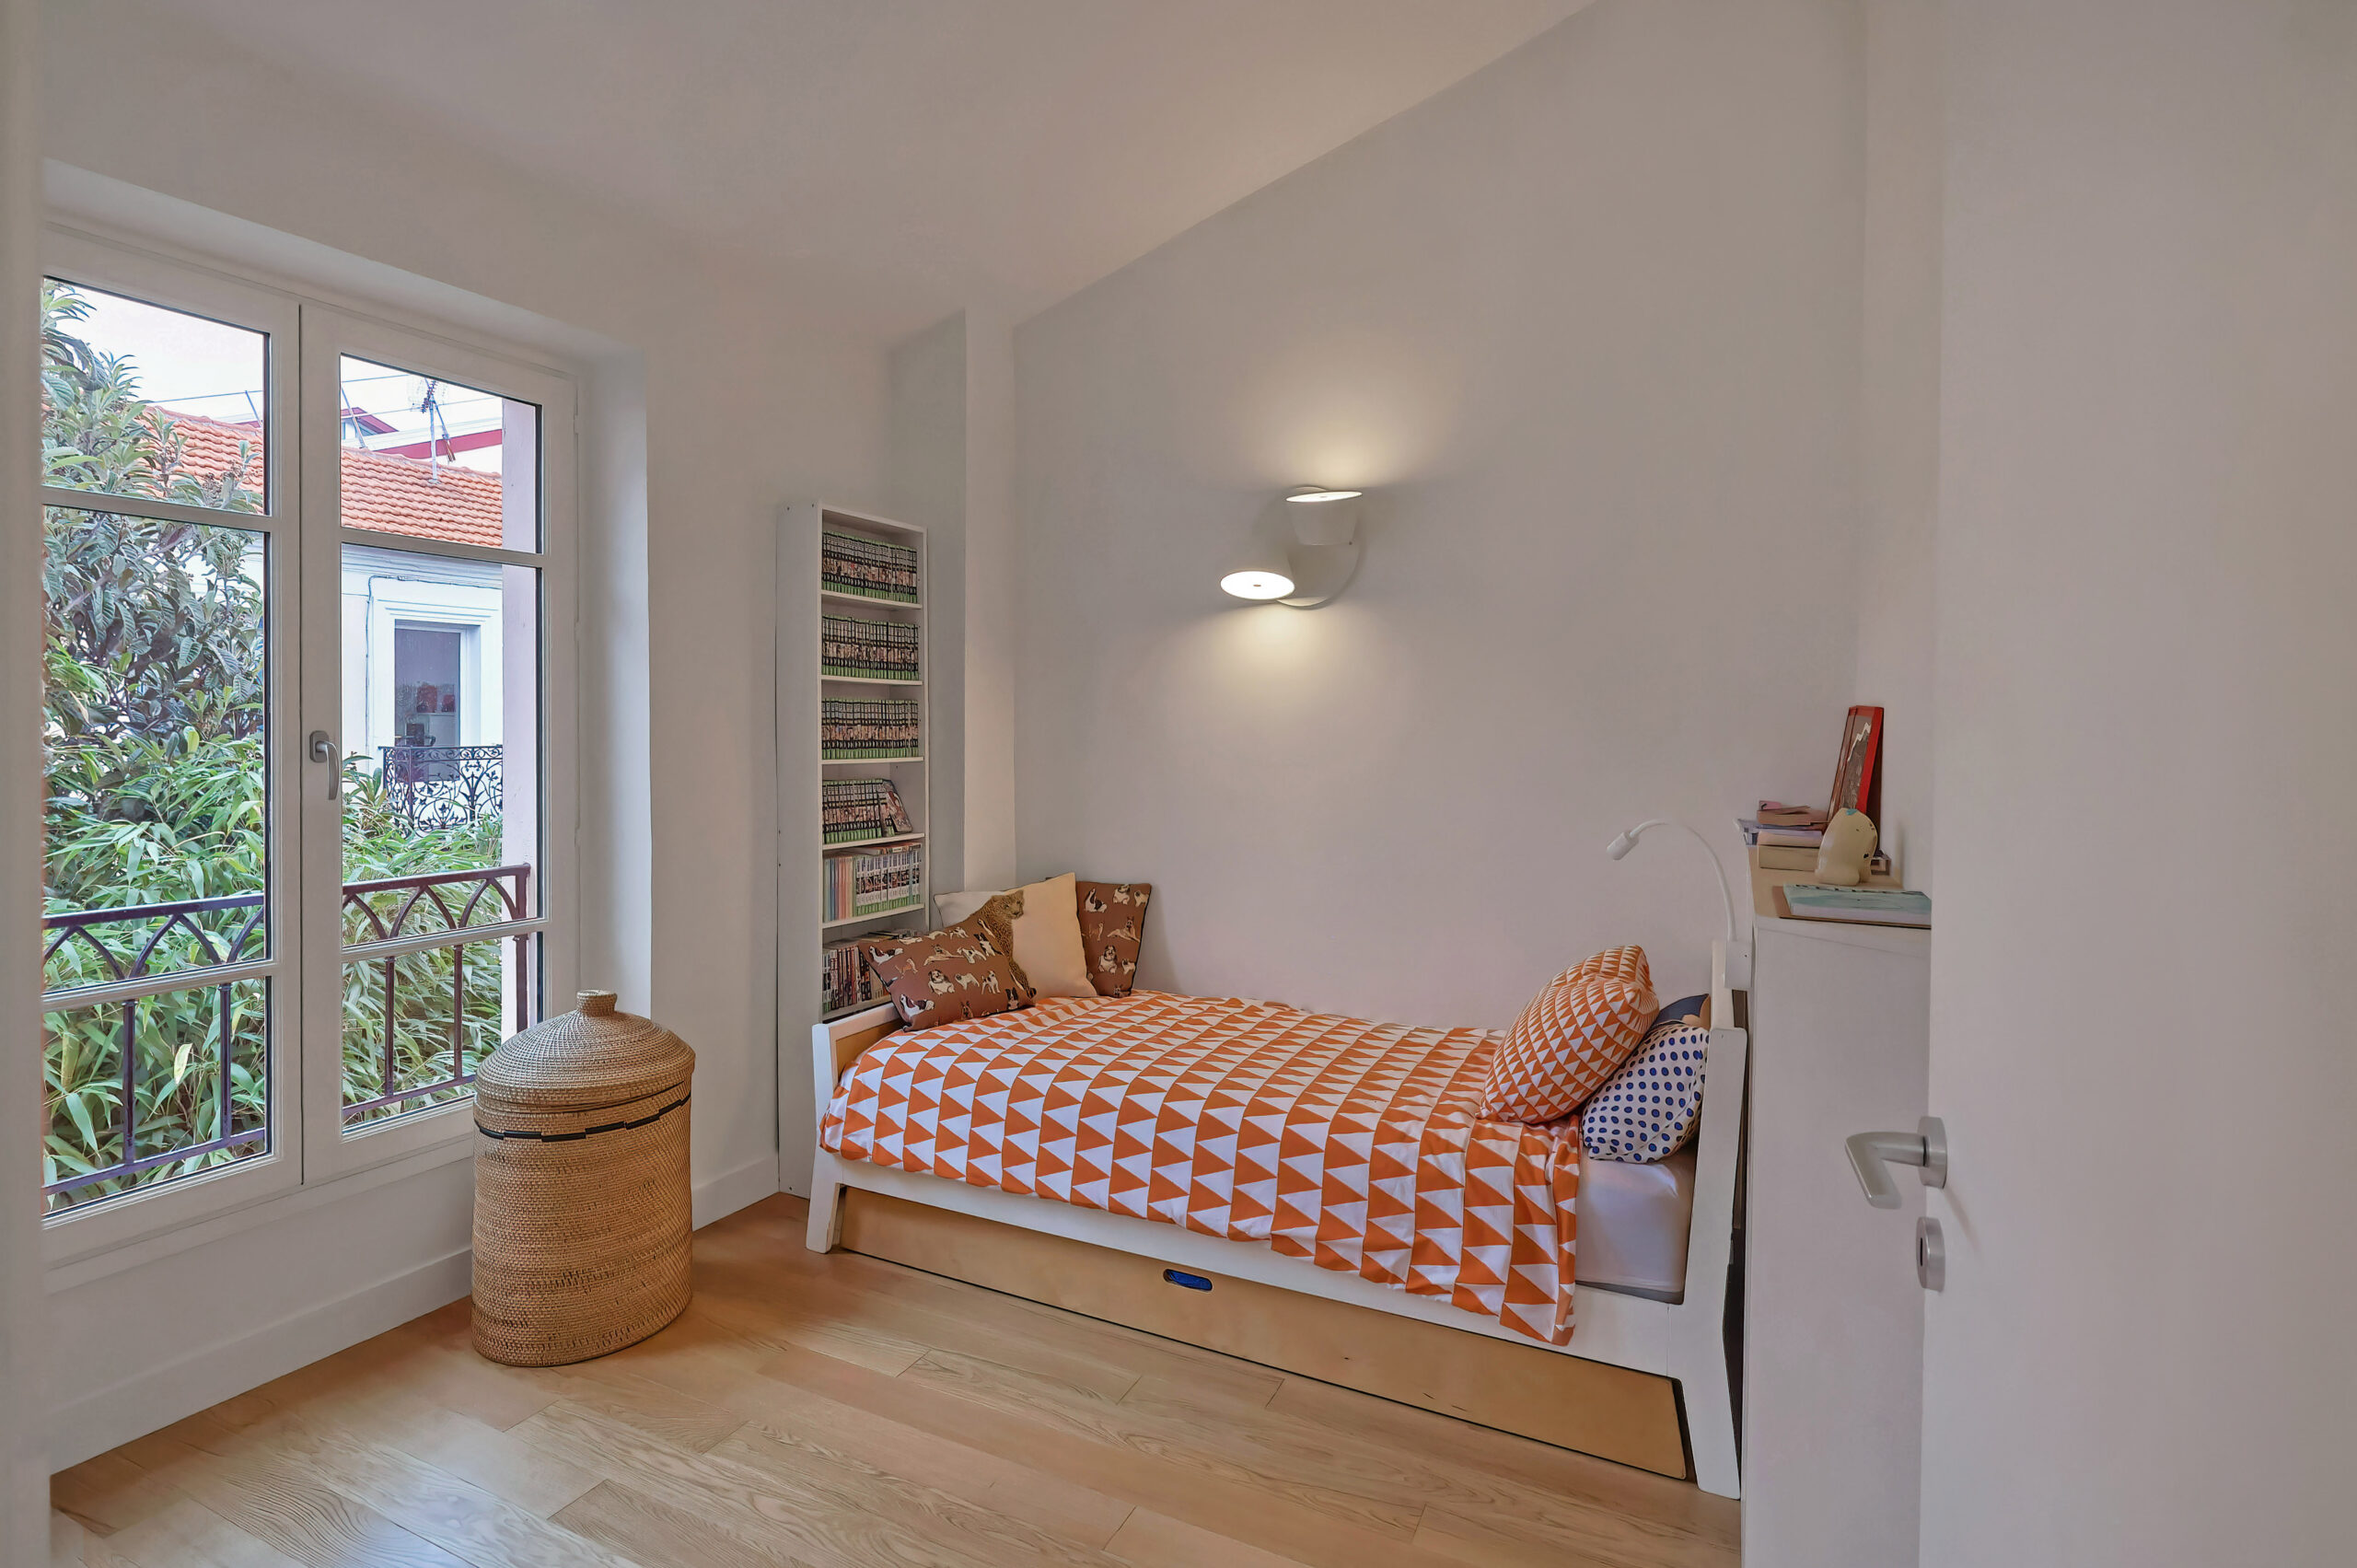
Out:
{"x": 323, "y": 750}
{"x": 1871, "y": 1154}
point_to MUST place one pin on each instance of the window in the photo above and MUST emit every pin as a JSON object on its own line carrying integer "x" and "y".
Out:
{"x": 299, "y": 570}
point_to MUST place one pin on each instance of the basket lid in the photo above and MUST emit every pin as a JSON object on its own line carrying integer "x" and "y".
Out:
{"x": 582, "y": 1060}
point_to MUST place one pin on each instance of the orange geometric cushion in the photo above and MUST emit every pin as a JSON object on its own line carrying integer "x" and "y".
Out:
{"x": 1575, "y": 1034}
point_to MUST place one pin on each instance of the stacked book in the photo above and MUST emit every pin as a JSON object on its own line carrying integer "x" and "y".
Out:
{"x": 877, "y": 650}
{"x": 1786, "y": 836}
{"x": 875, "y": 882}
{"x": 844, "y": 979}
{"x": 854, "y": 810}
{"x": 849, "y": 564}
{"x": 861, "y": 730}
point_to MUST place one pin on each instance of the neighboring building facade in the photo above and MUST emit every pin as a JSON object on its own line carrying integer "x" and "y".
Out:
{"x": 424, "y": 636}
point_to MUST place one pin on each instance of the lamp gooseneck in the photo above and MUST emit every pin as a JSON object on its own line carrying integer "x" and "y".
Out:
{"x": 1620, "y": 846}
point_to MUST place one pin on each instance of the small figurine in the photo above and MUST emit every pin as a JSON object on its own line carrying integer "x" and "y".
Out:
{"x": 1841, "y": 854}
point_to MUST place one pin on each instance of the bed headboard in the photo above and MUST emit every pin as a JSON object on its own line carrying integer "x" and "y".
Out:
{"x": 837, "y": 1045}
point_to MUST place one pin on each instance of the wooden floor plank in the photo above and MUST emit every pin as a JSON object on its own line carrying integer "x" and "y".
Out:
{"x": 189, "y": 1535}
{"x": 1312, "y": 1478}
{"x": 999, "y": 1481}
{"x": 108, "y": 1494}
{"x": 835, "y": 1412}
{"x": 1267, "y": 1440}
{"x": 313, "y": 1524}
{"x": 814, "y": 1515}
{"x": 657, "y": 1536}
{"x": 432, "y": 1503}
{"x": 707, "y": 1369}
{"x": 1250, "y": 1513}
{"x": 496, "y": 1461}
{"x": 968, "y": 1530}
{"x": 1148, "y": 1539}
{"x": 1539, "y": 1467}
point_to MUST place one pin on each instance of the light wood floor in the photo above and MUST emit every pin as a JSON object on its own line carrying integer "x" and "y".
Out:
{"x": 836, "y": 1411}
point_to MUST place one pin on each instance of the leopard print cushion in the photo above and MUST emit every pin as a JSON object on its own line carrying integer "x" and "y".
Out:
{"x": 1112, "y": 927}
{"x": 966, "y": 970}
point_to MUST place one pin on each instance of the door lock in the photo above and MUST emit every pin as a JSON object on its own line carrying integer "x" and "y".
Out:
{"x": 1930, "y": 1255}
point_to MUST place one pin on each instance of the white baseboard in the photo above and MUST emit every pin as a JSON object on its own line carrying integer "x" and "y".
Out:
{"x": 146, "y": 1400}
{"x": 734, "y": 1190}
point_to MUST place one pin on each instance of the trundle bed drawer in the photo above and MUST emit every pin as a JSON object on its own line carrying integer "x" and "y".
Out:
{"x": 1611, "y": 1411}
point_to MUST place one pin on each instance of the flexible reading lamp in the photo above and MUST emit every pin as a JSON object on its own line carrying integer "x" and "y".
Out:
{"x": 1730, "y": 960}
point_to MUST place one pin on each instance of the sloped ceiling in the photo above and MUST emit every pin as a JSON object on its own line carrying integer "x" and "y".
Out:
{"x": 970, "y": 151}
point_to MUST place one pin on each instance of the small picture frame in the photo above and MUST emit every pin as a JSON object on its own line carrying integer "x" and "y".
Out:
{"x": 1855, "y": 781}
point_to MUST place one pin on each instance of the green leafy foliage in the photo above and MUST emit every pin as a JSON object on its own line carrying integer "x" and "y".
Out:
{"x": 157, "y": 792}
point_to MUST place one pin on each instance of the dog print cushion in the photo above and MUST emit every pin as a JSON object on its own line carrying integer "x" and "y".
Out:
{"x": 1646, "y": 1112}
{"x": 1112, "y": 927}
{"x": 1575, "y": 1034}
{"x": 965, "y": 971}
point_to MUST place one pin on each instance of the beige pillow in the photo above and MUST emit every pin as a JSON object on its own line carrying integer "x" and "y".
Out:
{"x": 1047, "y": 933}
{"x": 949, "y": 909}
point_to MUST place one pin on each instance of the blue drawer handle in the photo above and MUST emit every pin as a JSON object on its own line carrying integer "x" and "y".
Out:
{"x": 1192, "y": 1281}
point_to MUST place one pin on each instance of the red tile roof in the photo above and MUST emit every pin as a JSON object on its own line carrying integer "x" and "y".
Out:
{"x": 402, "y": 496}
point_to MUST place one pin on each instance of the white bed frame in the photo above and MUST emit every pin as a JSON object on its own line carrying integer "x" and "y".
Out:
{"x": 1683, "y": 1340}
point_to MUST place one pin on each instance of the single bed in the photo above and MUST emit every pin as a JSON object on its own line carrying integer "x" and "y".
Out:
{"x": 1332, "y": 1158}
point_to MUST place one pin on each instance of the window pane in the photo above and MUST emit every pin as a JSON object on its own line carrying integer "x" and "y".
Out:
{"x": 442, "y": 821}
{"x": 197, "y": 1090}
{"x": 155, "y": 728}
{"x": 434, "y": 460}
{"x": 139, "y": 400}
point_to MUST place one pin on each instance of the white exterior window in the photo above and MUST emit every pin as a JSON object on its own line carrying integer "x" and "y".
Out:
{"x": 303, "y": 694}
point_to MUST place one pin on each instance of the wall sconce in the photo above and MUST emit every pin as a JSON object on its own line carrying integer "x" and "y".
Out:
{"x": 1304, "y": 550}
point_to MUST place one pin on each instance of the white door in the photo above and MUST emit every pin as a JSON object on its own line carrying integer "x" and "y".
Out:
{"x": 2141, "y": 1043}
{"x": 1833, "y": 1342}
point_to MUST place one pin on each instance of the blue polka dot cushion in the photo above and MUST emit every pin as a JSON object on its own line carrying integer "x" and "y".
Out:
{"x": 1646, "y": 1112}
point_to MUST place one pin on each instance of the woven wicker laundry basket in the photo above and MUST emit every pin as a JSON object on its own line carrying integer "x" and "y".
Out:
{"x": 581, "y": 1186}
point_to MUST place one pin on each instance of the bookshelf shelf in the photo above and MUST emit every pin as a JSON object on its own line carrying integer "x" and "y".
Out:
{"x": 862, "y": 845}
{"x": 864, "y": 919}
{"x": 822, "y": 547}
{"x": 836, "y": 595}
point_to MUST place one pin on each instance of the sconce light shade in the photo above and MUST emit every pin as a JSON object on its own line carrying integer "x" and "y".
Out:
{"x": 1304, "y": 550}
{"x": 1323, "y": 517}
{"x": 1261, "y": 572}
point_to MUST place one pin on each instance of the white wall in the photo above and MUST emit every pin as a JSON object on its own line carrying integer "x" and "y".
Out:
{"x": 1587, "y": 325}
{"x": 752, "y": 395}
{"x": 2141, "y": 1035}
{"x": 1899, "y": 414}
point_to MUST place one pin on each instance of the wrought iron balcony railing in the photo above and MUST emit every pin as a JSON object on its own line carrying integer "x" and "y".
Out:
{"x": 216, "y": 945}
{"x": 444, "y": 786}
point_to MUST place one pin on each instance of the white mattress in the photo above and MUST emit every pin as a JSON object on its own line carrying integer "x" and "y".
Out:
{"x": 1632, "y": 1225}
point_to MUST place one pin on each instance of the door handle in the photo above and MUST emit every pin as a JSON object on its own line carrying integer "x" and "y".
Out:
{"x": 323, "y": 750}
{"x": 1871, "y": 1154}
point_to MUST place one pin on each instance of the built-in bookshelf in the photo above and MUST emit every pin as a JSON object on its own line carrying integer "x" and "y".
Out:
{"x": 867, "y": 733}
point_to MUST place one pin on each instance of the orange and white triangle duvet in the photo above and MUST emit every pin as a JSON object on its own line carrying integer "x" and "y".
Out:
{"x": 1350, "y": 1144}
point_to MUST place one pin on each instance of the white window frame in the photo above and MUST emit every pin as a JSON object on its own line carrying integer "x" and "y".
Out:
{"x": 328, "y": 334}
{"x": 203, "y": 292}
{"x": 302, "y": 1168}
